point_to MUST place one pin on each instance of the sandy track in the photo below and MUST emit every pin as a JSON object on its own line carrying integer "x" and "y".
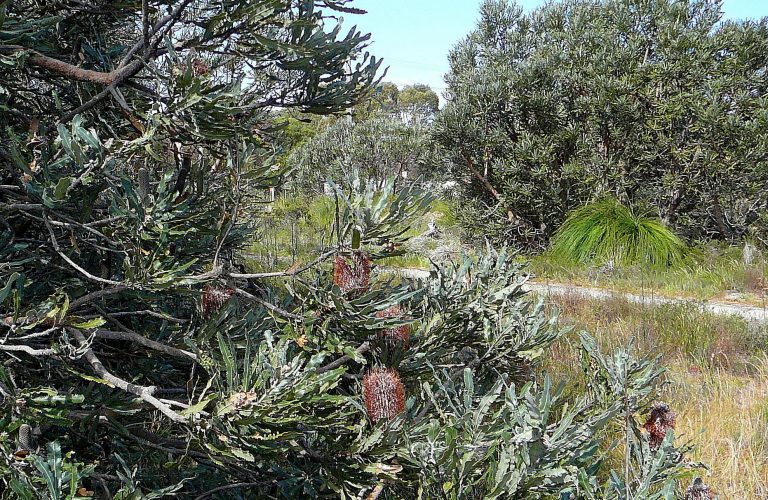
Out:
{"x": 750, "y": 313}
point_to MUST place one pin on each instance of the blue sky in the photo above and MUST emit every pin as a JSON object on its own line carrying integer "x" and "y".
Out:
{"x": 414, "y": 36}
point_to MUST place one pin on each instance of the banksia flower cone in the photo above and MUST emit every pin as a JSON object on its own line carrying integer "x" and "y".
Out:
{"x": 214, "y": 298}
{"x": 400, "y": 333}
{"x": 383, "y": 394}
{"x": 661, "y": 419}
{"x": 699, "y": 491}
{"x": 354, "y": 277}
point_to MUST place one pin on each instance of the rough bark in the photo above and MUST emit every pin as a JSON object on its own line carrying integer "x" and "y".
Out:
{"x": 71, "y": 71}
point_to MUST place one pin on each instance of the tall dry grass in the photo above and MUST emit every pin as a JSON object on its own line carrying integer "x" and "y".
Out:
{"x": 717, "y": 379}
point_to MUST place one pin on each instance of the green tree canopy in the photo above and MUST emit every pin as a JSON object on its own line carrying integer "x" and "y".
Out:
{"x": 415, "y": 104}
{"x": 381, "y": 100}
{"x": 660, "y": 102}
{"x": 418, "y": 104}
{"x": 374, "y": 150}
{"x": 387, "y": 135}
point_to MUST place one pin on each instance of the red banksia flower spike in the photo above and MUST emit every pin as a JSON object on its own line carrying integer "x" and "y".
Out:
{"x": 362, "y": 269}
{"x": 659, "y": 421}
{"x": 354, "y": 276}
{"x": 214, "y": 298}
{"x": 199, "y": 67}
{"x": 342, "y": 273}
{"x": 383, "y": 394}
{"x": 400, "y": 333}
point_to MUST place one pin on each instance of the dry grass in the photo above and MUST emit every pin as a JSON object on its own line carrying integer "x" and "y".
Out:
{"x": 717, "y": 379}
{"x": 725, "y": 416}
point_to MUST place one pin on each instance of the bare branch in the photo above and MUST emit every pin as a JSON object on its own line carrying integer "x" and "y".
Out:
{"x": 271, "y": 307}
{"x": 232, "y": 217}
{"x": 152, "y": 344}
{"x": 28, "y": 350}
{"x": 145, "y": 23}
{"x": 72, "y": 263}
{"x": 231, "y": 486}
{"x": 160, "y": 25}
{"x": 62, "y": 68}
{"x": 145, "y": 393}
{"x": 277, "y": 274}
{"x": 85, "y": 299}
{"x": 364, "y": 347}
{"x": 148, "y": 312}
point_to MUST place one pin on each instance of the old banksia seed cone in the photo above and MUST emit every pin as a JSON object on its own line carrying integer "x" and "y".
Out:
{"x": 383, "y": 394}
{"x": 699, "y": 491}
{"x": 214, "y": 298}
{"x": 400, "y": 333}
{"x": 660, "y": 420}
{"x": 352, "y": 275}
{"x": 24, "y": 445}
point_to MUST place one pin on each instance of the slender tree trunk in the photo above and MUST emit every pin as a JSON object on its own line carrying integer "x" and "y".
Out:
{"x": 717, "y": 212}
{"x": 492, "y": 190}
{"x": 670, "y": 217}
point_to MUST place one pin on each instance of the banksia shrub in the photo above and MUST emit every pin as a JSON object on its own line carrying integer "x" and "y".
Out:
{"x": 661, "y": 419}
{"x": 383, "y": 394}
{"x": 214, "y": 298}
{"x": 352, "y": 275}
{"x": 400, "y": 333}
{"x": 699, "y": 491}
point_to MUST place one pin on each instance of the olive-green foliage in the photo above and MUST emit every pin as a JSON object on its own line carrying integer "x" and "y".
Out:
{"x": 414, "y": 104}
{"x": 374, "y": 150}
{"x": 385, "y": 136}
{"x": 121, "y": 203}
{"x": 418, "y": 104}
{"x": 296, "y": 229}
{"x": 299, "y": 226}
{"x": 609, "y": 231}
{"x": 658, "y": 102}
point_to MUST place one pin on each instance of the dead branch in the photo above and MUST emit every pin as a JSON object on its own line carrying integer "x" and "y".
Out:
{"x": 143, "y": 392}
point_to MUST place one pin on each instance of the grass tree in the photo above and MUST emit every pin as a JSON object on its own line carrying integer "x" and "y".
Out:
{"x": 609, "y": 231}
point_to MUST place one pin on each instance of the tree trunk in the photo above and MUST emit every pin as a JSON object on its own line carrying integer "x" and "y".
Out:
{"x": 670, "y": 217}
{"x": 492, "y": 190}
{"x": 717, "y": 212}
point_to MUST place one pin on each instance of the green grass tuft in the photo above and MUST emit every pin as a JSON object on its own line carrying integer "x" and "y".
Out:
{"x": 607, "y": 230}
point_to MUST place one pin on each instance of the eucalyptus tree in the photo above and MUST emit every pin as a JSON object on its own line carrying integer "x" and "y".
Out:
{"x": 373, "y": 150}
{"x": 659, "y": 103}
{"x": 418, "y": 104}
{"x": 386, "y": 135}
